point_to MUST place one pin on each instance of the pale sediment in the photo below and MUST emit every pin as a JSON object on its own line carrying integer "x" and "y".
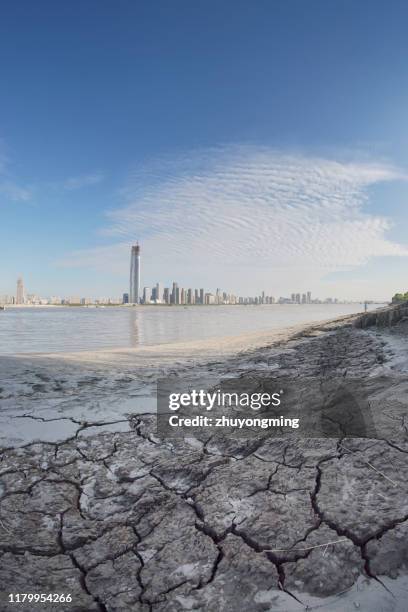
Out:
{"x": 127, "y": 521}
{"x": 191, "y": 352}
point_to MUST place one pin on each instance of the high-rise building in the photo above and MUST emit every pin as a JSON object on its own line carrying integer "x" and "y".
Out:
{"x": 166, "y": 295}
{"x": 125, "y": 298}
{"x": 201, "y": 296}
{"x": 147, "y": 295}
{"x": 134, "y": 293}
{"x": 20, "y": 295}
{"x": 159, "y": 292}
{"x": 309, "y": 297}
{"x": 173, "y": 297}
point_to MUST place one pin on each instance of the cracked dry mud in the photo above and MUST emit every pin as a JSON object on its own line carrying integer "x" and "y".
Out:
{"x": 127, "y": 521}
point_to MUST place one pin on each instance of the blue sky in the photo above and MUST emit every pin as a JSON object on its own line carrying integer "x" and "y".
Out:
{"x": 182, "y": 124}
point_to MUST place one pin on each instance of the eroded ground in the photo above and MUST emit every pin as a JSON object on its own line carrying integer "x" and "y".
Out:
{"x": 126, "y": 521}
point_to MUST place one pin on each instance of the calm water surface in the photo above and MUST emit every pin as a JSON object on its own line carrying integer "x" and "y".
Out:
{"x": 60, "y": 329}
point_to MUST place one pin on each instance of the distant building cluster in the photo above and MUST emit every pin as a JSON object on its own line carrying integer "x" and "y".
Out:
{"x": 176, "y": 295}
{"x": 306, "y": 298}
{"x": 179, "y": 295}
{"x": 158, "y": 294}
{"x": 31, "y": 299}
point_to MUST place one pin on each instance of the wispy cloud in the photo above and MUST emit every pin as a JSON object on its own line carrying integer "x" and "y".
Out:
{"x": 10, "y": 188}
{"x": 14, "y": 192}
{"x": 84, "y": 180}
{"x": 237, "y": 209}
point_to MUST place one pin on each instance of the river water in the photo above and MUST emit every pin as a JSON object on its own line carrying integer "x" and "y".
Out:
{"x": 67, "y": 329}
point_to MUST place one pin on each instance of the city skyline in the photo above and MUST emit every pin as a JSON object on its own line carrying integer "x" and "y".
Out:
{"x": 226, "y": 142}
{"x": 176, "y": 295}
{"x": 161, "y": 295}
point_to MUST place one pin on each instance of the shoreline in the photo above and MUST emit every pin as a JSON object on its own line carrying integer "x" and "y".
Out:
{"x": 105, "y": 386}
{"x": 88, "y": 331}
{"x": 217, "y": 347}
{"x": 94, "y": 305}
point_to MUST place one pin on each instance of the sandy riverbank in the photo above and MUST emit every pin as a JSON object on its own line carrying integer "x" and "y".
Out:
{"x": 221, "y": 347}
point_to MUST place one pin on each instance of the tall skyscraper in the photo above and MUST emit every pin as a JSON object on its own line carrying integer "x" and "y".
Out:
{"x": 20, "y": 296}
{"x": 147, "y": 295}
{"x": 159, "y": 292}
{"x": 134, "y": 293}
{"x": 173, "y": 297}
